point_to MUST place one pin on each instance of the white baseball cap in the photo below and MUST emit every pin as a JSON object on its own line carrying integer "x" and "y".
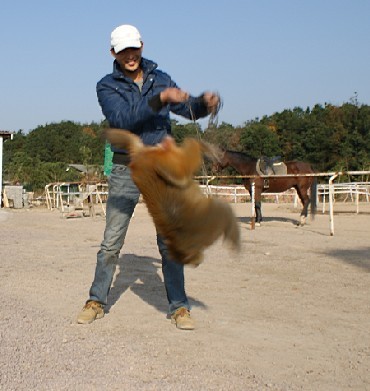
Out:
{"x": 125, "y": 36}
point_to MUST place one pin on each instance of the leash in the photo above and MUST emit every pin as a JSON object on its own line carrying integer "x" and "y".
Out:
{"x": 213, "y": 117}
{"x": 212, "y": 124}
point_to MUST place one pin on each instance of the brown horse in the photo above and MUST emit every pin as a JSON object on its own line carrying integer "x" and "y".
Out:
{"x": 246, "y": 165}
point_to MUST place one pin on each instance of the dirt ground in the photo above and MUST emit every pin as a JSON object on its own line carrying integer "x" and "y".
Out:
{"x": 290, "y": 312}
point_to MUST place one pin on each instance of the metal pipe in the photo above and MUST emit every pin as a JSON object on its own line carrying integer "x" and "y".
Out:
{"x": 253, "y": 204}
{"x": 331, "y": 200}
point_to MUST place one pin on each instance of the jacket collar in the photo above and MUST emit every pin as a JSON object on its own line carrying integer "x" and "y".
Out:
{"x": 148, "y": 66}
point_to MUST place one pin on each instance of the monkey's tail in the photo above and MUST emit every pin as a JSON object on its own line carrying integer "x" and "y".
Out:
{"x": 123, "y": 139}
{"x": 232, "y": 230}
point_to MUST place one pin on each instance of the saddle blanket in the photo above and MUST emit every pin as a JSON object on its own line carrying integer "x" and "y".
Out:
{"x": 271, "y": 166}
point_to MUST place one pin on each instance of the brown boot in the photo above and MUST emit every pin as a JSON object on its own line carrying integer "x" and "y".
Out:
{"x": 181, "y": 317}
{"x": 92, "y": 310}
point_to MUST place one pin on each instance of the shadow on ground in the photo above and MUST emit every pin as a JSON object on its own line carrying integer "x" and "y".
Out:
{"x": 247, "y": 220}
{"x": 140, "y": 275}
{"x": 359, "y": 257}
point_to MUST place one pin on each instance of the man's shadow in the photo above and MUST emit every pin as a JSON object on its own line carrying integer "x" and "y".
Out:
{"x": 140, "y": 275}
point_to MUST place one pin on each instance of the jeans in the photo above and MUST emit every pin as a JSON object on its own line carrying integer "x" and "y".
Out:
{"x": 122, "y": 198}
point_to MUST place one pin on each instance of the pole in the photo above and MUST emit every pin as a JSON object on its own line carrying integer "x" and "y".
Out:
{"x": 253, "y": 204}
{"x": 331, "y": 201}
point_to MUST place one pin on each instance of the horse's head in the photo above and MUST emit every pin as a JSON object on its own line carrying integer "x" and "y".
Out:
{"x": 217, "y": 155}
{"x": 213, "y": 153}
{"x": 215, "y": 167}
{"x": 219, "y": 162}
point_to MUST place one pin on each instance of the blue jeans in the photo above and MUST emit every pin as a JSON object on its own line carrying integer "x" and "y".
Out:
{"x": 122, "y": 198}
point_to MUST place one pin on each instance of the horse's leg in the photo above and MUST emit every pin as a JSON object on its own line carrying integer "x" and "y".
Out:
{"x": 305, "y": 199}
{"x": 257, "y": 202}
{"x": 257, "y": 206}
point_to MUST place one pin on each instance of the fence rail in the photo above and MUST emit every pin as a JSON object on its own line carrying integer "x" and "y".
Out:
{"x": 55, "y": 193}
{"x": 236, "y": 193}
{"x": 332, "y": 176}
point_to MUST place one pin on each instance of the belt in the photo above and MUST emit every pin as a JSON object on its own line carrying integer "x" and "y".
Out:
{"x": 121, "y": 158}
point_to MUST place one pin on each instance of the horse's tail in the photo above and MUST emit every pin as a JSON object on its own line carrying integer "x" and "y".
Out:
{"x": 313, "y": 197}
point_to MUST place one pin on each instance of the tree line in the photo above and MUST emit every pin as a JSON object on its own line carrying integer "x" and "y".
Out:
{"x": 331, "y": 138}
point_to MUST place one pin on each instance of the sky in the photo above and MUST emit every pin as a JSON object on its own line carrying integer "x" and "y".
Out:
{"x": 261, "y": 56}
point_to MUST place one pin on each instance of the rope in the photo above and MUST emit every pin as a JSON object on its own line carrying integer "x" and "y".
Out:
{"x": 212, "y": 123}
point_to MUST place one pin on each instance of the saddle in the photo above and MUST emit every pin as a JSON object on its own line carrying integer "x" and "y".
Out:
{"x": 270, "y": 166}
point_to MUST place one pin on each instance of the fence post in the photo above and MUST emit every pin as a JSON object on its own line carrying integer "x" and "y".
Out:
{"x": 253, "y": 204}
{"x": 331, "y": 200}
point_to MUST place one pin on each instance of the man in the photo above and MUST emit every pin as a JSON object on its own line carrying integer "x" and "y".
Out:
{"x": 138, "y": 97}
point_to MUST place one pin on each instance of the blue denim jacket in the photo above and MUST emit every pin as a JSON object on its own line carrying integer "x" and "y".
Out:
{"x": 126, "y": 107}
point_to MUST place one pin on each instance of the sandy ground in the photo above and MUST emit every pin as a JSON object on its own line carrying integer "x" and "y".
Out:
{"x": 290, "y": 312}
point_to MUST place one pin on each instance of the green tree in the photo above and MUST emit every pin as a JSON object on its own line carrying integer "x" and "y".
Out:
{"x": 181, "y": 131}
{"x": 330, "y": 137}
{"x": 258, "y": 140}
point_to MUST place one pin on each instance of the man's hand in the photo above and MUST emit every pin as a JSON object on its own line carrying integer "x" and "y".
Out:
{"x": 212, "y": 101}
{"x": 173, "y": 95}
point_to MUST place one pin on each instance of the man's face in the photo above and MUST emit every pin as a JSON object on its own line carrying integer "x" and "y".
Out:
{"x": 129, "y": 59}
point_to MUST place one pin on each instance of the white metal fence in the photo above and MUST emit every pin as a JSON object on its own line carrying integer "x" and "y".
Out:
{"x": 350, "y": 191}
{"x": 238, "y": 193}
{"x": 67, "y": 196}
{"x": 58, "y": 195}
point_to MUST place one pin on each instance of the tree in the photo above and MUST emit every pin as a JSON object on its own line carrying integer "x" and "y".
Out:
{"x": 258, "y": 140}
{"x": 179, "y": 132}
{"x": 329, "y": 137}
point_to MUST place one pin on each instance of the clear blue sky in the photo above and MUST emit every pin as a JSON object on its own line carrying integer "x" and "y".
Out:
{"x": 261, "y": 56}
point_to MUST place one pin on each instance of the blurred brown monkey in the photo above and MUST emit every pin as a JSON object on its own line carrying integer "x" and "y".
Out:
{"x": 187, "y": 220}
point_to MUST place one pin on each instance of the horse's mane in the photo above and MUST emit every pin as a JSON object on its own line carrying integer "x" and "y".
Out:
{"x": 241, "y": 155}
{"x": 217, "y": 154}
